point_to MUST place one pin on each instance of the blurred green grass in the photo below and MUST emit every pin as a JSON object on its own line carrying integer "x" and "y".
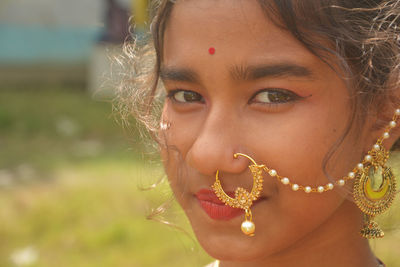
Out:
{"x": 69, "y": 190}
{"x": 49, "y": 127}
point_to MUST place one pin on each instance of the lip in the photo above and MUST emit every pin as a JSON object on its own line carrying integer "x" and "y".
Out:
{"x": 214, "y": 207}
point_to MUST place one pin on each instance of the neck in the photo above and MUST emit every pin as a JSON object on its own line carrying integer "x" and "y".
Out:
{"x": 336, "y": 242}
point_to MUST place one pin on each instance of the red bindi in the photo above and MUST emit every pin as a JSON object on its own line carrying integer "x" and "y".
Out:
{"x": 211, "y": 50}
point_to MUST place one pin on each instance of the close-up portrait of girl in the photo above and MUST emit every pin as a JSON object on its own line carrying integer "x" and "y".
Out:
{"x": 277, "y": 122}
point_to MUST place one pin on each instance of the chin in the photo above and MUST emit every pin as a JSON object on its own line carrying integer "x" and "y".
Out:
{"x": 238, "y": 250}
{"x": 228, "y": 243}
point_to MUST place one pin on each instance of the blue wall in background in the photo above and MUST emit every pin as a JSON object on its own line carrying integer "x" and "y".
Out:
{"x": 35, "y": 44}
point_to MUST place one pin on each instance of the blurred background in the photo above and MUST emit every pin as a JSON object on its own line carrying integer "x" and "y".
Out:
{"x": 70, "y": 176}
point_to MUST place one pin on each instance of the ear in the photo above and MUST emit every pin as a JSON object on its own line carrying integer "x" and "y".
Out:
{"x": 387, "y": 121}
{"x": 383, "y": 116}
{"x": 393, "y": 111}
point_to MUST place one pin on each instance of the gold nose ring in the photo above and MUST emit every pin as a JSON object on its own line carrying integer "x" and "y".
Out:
{"x": 243, "y": 199}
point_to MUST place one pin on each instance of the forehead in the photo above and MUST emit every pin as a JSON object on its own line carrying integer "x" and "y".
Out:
{"x": 238, "y": 29}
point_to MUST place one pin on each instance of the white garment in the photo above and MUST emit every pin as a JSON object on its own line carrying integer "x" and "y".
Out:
{"x": 213, "y": 264}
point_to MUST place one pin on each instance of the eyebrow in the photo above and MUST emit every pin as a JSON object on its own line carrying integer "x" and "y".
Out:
{"x": 240, "y": 72}
{"x": 178, "y": 75}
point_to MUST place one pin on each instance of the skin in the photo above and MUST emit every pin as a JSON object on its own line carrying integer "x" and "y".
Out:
{"x": 214, "y": 113}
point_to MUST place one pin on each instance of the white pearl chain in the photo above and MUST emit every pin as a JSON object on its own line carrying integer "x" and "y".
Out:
{"x": 351, "y": 175}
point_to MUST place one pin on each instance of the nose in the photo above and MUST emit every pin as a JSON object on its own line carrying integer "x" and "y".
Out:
{"x": 217, "y": 142}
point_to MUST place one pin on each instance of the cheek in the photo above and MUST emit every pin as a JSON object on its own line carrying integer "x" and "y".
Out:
{"x": 176, "y": 141}
{"x": 184, "y": 129}
{"x": 295, "y": 151}
{"x": 307, "y": 211}
{"x": 296, "y": 143}
{"x": 172, "y": 161}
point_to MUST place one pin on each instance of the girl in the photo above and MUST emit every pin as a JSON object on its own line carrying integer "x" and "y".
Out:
{"x": 306, "y": 94}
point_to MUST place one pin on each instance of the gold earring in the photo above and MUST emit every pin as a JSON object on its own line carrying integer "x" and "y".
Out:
{"x": 243, "y": 199}
{"x": 375, "y": 185}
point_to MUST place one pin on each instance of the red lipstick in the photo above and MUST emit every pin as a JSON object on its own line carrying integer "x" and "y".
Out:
{"x": 214, "y": 207}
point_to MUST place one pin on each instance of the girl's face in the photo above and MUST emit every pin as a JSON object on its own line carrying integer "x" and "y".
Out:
{"x": 263, "y": 94}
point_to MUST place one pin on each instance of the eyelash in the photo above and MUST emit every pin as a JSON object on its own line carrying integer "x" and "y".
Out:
{"x": 173, "y": 94}
{"x": 285, "y": 95}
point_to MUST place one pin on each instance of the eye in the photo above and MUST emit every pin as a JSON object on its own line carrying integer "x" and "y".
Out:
{"x": 184, "y": 96}
{"x": 274, "y": 96}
